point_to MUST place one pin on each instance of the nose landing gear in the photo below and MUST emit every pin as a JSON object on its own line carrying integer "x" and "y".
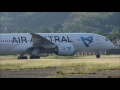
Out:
{"x": 97, "y": 55}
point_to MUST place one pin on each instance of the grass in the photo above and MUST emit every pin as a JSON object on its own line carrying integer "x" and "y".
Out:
{"x": 8, "y": 57}
{"x": 88, "y": 68}
{"x": 80, "y": 65}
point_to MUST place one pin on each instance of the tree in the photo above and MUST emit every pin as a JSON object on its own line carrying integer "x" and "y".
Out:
{"x": 44, "y": 30}
{"x": 57, "y": 28}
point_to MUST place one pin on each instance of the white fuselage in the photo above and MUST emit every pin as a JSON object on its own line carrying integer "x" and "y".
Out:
{"x": 17, "y": 43}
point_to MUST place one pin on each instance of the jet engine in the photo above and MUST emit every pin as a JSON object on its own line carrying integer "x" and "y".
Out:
{"x": 65, "y": 49}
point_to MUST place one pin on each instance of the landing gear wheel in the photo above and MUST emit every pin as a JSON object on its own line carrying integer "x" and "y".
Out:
{"x": 97, "y": 55}
{"x": 34, "y": 57}
{"x": 22, "y": 57}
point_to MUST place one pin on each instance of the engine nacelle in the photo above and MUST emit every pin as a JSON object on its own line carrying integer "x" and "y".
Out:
{"x": 65, "y": 49}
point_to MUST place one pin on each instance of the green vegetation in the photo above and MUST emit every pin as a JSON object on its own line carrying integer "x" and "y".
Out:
{"x": 65, "y": 66}
{"x": 87, "y": 68}
{"x": 104, "y": 23}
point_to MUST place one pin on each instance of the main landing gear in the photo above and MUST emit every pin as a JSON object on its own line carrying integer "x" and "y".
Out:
{"x": 31, "y": 57}
{"x": 34, "y": 57}
{"x": 22, "y": 57}
{"x": 97, "y": 55}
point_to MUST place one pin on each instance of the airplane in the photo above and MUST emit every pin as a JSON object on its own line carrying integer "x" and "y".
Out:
{"x": 42, "y": 44}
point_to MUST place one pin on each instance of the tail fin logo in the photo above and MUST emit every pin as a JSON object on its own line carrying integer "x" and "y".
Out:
{"x": 87, "y": 41}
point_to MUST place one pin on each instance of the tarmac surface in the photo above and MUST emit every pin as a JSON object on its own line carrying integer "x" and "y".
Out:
{"x": 51, "y": 73}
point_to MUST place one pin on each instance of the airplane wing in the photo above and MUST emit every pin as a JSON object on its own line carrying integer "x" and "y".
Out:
{"x": 38, "y": 40}
{"x": 40, "y": 44}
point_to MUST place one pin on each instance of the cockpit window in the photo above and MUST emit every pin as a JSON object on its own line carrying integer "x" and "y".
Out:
{"x": 106, "y": 39}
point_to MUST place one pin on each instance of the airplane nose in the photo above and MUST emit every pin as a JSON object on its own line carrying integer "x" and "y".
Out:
{"x": 112, "y": 46}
